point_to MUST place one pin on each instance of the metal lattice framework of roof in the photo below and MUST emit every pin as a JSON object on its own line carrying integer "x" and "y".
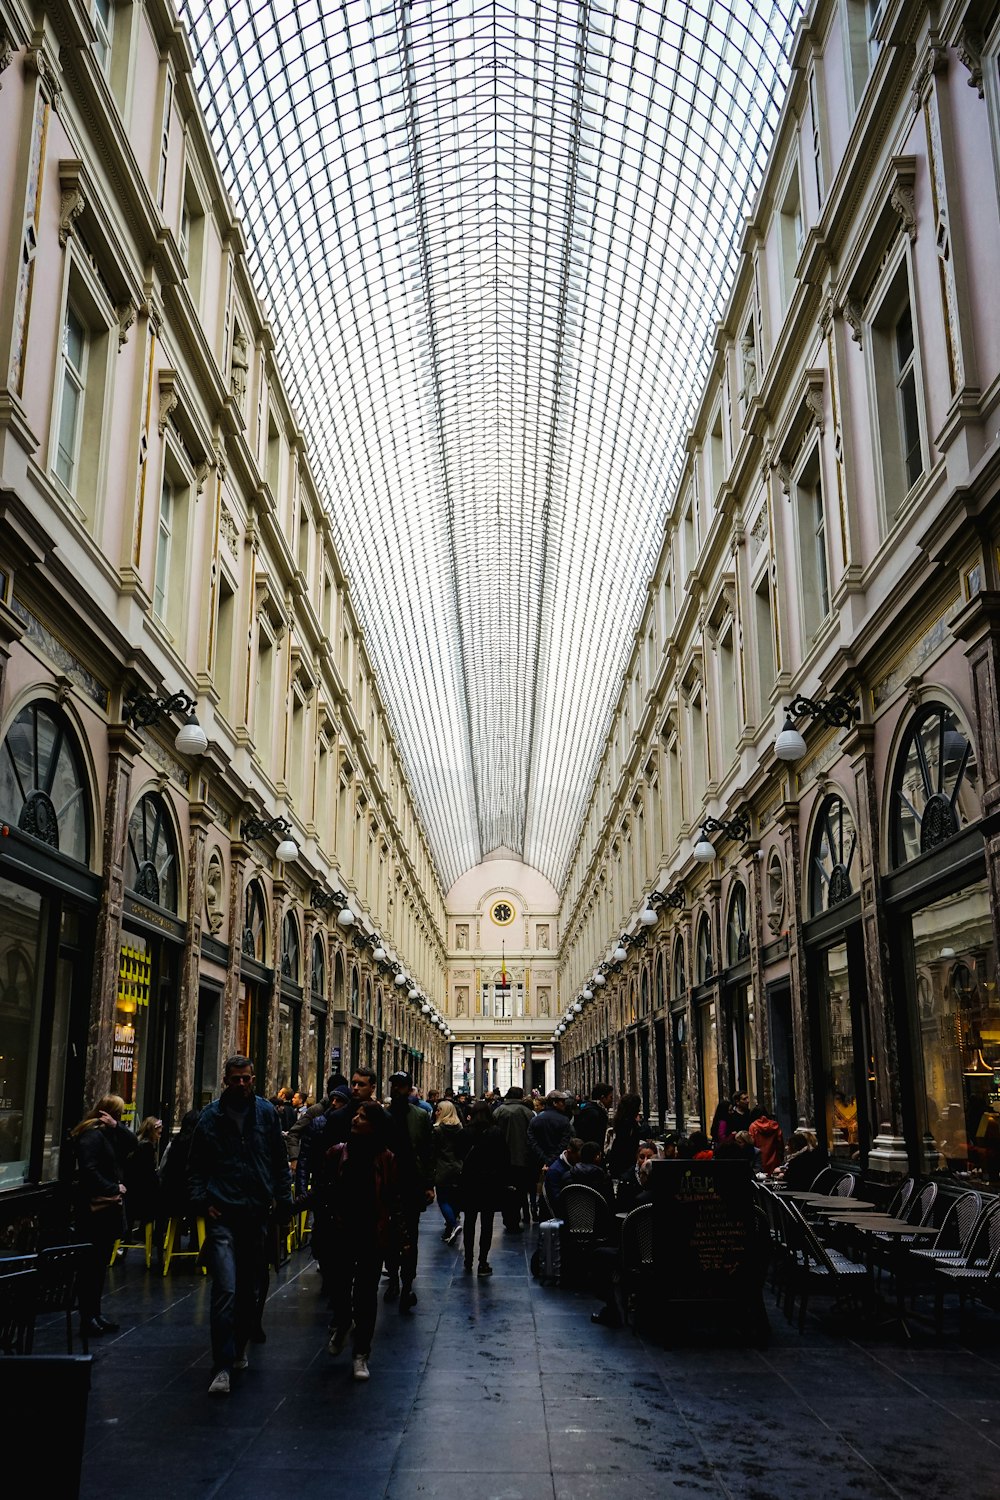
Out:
{"x": 493, "y": 240}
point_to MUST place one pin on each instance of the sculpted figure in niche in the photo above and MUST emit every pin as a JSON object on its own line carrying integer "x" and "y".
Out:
{"x": 543, "y": 1000}
{"x": 213, "y": 894}
{"x": 543, "y": 934}
{"x": 461, "y": 1000}
{"x": 241, "y": 364}
{"x": 462, "y": 935}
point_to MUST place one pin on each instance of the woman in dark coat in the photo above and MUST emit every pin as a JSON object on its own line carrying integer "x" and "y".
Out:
{"x": 103, "y": 1146}
{"x": 447, "y": 1138}
{"x": 627, "y": 1135}
{"x": 485, "y": 1179}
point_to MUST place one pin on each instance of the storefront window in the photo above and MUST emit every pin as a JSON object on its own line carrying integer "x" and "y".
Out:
{"x": 255, "y": 923}
{"x": 833, "y": 857}
{"x": 290, "y": 949}
{"x": 151, "y": 853}
{"x": 131, "y": 1022}
{"x": 934, "y": 789}
{"x": 42, "y": 786}
{"x": 737, "y": 935}
{"x": 21, "y": 937}
{"x": 708, "y": 1061}
{"x": 959, "y": 1024}
{"x": 285, "y": 1046}
{"x": 842, "y": 1124}
{"x": 704, "y": 967}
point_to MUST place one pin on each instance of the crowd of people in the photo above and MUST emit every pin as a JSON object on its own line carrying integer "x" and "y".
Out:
{"x": 365, "y": 1170}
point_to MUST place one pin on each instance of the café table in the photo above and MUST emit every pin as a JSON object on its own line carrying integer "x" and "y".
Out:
{"x": 894, "y": 1231}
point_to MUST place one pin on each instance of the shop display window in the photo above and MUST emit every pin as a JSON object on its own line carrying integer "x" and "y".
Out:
{"x": 958, "y": 1016}
{"x": 151, "y": 853}
{"x": 833, "y": 858}
{"x": 934, "y": 793}
{"x": 708, "y": 1060}
{"x": 21, "y": 963}
{"x": 42, "y": 786}
{"x": 842, "y": 1102}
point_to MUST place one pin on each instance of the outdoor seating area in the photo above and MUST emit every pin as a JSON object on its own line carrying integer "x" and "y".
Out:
{"x": 929, "y": 1256}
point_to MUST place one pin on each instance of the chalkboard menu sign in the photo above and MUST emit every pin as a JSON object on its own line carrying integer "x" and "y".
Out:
{"x": 705, "y": 1243}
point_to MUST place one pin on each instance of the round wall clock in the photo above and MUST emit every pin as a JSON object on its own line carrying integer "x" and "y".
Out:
{"x": 502, "y": 913}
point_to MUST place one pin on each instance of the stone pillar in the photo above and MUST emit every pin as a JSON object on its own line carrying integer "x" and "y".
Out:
{"x": 199, "y": 821}
{"x": 761, "y": 1084}
{"x": 123, "y": 746}
{"x": 11, "y": 631}
{"x": 526, "y": 1069}
{"x": 787, "y": 819}
{"x": 978, "y": 624}
{"x": 477, "y": 1075}
{"x": 888, "y": 1152}
{"x": 239, "y": 855}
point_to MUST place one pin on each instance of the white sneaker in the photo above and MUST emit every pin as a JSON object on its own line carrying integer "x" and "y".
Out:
{"x": 220, "y": 1384}
{"x": 361, "y": 1368}
{"x": 338, "y": 1339}
{"x": 454, "y": 1233}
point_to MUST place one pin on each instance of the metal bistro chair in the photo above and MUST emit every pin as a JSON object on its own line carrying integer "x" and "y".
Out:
{"x": 59, "y": 1270}
{"x": 637, "y": 1260}
{"x": 834, "y": 1181}
{"x": 17, "y": 1311}
{"x": 916, "y": 1264}
{"x": 587, "y": 1224}
{"x": 815, "y": 1268}
{"x": 978, "y": 1272}
{"x": 175, "y": 1232}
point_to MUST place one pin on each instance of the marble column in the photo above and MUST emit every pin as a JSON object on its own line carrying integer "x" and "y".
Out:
{"x": 787, "y": 819}
{"x": 199, "y": 822}
{"x": 123, "y": 746}
{"x": 239, "y": 855}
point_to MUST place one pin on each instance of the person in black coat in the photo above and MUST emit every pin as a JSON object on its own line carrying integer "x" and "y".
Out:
{"x": 592, "y": 1118}
{"x": 103, "y": 1146}
{"x": 626, "y": 1138}
{"x": 485, "y": 1180}
{"x": 590, "y": 1173}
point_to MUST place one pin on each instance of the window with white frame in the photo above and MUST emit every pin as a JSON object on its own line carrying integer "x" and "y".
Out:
{"x": 170, "y": 595}
{"x": 763, "y": 619}
{"x": 104, "y": 26}
{"x": 790, "y": 233}
{"x": 161, "y": 174}
{"x": 990, "y": 63}
{"x": 73, "y": 385}
{"x": 896, "y": 389}
{"x": 810, "y": 526}
{"x": 83, "y": 377}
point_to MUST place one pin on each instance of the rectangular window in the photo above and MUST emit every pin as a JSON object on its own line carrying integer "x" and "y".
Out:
{"x": 104, "y": 25}
{"x": 790, "y": 235}
{"x": 164, "y": 534}
{"x": 764, "y": 633}
{"x": 813, "y": 568}
{"x": 224, "y": 642}
{"x": 895, "y": 377}
{"x": 73, "y": 381}
{"x": 161, "y": 176}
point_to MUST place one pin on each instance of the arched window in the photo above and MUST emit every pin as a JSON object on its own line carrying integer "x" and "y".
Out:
{"x": 661, "y": 982}
{"x": 644, "y": 993}
{"x": 678, "y": 976}
{"x": 704, "y": 967}
{"x": 338, "y": 983}
{"x": 42, "y": 785}
{"x": 317, "y": 973}
{"x": 355, "y": 994}
{"x": 290, "y": 964}
{"x": 833, "y": 857}
{"x": 368, "y": 1001}
{"x": 933, "y": 790}
{"x": 151, "y": 852}
{"x": 255, "y": 923}
{"x": 737, "y": 935}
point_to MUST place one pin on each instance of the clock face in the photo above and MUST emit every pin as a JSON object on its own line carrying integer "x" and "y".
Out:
{"x": 502, "y": 913}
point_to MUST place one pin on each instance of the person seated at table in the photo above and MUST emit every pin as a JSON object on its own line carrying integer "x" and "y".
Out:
{"x": 731, "y": 1148}
{"x": 631, "y": 1186}
{"x": 697, "y": 1147}
{"x": 804, "y": 1161}
{"x": 589, "y": 1171}
{"x": 557, "y": 1171}
{"x": 766, "y": 1136}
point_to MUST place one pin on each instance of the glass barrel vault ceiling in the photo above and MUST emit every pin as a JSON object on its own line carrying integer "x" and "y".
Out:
{"x": 493, "y": 241}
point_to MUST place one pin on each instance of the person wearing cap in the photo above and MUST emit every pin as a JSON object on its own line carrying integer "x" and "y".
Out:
{"x": 512, "y": 1119}
{"x": 412, "y": 1146}
{"x": 550, "y": 1131}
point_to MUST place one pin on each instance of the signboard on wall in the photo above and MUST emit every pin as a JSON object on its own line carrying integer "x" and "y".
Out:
{"x": 131, "y": 1013}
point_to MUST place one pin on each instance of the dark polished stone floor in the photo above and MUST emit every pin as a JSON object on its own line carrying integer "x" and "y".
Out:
{"x": 501, "y": 1389}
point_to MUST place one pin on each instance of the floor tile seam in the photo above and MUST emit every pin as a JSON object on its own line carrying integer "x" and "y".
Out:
{"x": 936, "y": 1401}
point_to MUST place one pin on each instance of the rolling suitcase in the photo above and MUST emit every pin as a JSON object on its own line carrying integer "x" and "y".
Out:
{"x": 550, "y": 1250}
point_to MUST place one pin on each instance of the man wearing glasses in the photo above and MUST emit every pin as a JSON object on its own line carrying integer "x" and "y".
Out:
{"x": 237, "y": 1173}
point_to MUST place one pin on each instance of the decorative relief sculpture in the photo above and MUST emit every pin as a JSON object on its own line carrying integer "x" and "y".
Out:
{"x": 851, "y": 312}
{"x": 71, "y": 206}
{"x": 542, "y": 933}
{"x": 6, "y": 52}
{"x": 462, "y": 935}
{"x": 903, "y": 201}
{"x": 748, "y": 354}
{"x": 970, "y": 55}
{"x": 544, "y": 1000}
{"x": 125, "y": 312}
{"x": 240, "y": 367}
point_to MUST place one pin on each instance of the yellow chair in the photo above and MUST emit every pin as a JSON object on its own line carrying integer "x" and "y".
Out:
{"x": 174, "y": 1230}
{"x": 146, "y": 1243}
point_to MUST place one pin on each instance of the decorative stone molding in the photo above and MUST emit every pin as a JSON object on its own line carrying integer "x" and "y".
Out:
{"x": 851, "y": 313}
{"x": 227, "y": 529}
{"x": 970, "y": 54}
{"x": 126, "y": 315}
{"x": 7, "y": 51}
{"x": 902, "y": 197}
{"x": 37, "y": 61}
{"x": 934, "y": 60}
{"x": 71, "y": 206}
{"x": 168, "y": 399}
{"x": 814, "y": 405}
{"x": 201, "y": 474}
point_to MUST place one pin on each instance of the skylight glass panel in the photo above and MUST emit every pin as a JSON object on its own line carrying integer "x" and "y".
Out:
{"x": 493, "y": 242}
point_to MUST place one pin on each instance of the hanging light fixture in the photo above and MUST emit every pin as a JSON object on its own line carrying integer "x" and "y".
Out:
{"x": 838, "y": 712}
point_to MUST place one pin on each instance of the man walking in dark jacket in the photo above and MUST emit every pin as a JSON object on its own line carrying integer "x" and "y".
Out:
{"x": 237, "y": 1173}
{"x": 550, "y": 1130}
{"x": 512, "y": 1120}
{"x": 591, "y": 1122}
{"x": 411, "y": 1144}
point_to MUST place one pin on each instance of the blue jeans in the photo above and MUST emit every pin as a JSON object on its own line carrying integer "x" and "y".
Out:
{"x": 235, "y": 1256}
{"x": 447, "y": 1201}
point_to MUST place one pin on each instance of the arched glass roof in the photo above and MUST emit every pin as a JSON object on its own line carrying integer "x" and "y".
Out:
{"x": 493, "y": 240}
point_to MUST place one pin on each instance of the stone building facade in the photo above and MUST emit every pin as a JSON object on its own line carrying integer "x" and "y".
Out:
{"x": 830, "y": 555}
{"x": 162, "y": 534}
